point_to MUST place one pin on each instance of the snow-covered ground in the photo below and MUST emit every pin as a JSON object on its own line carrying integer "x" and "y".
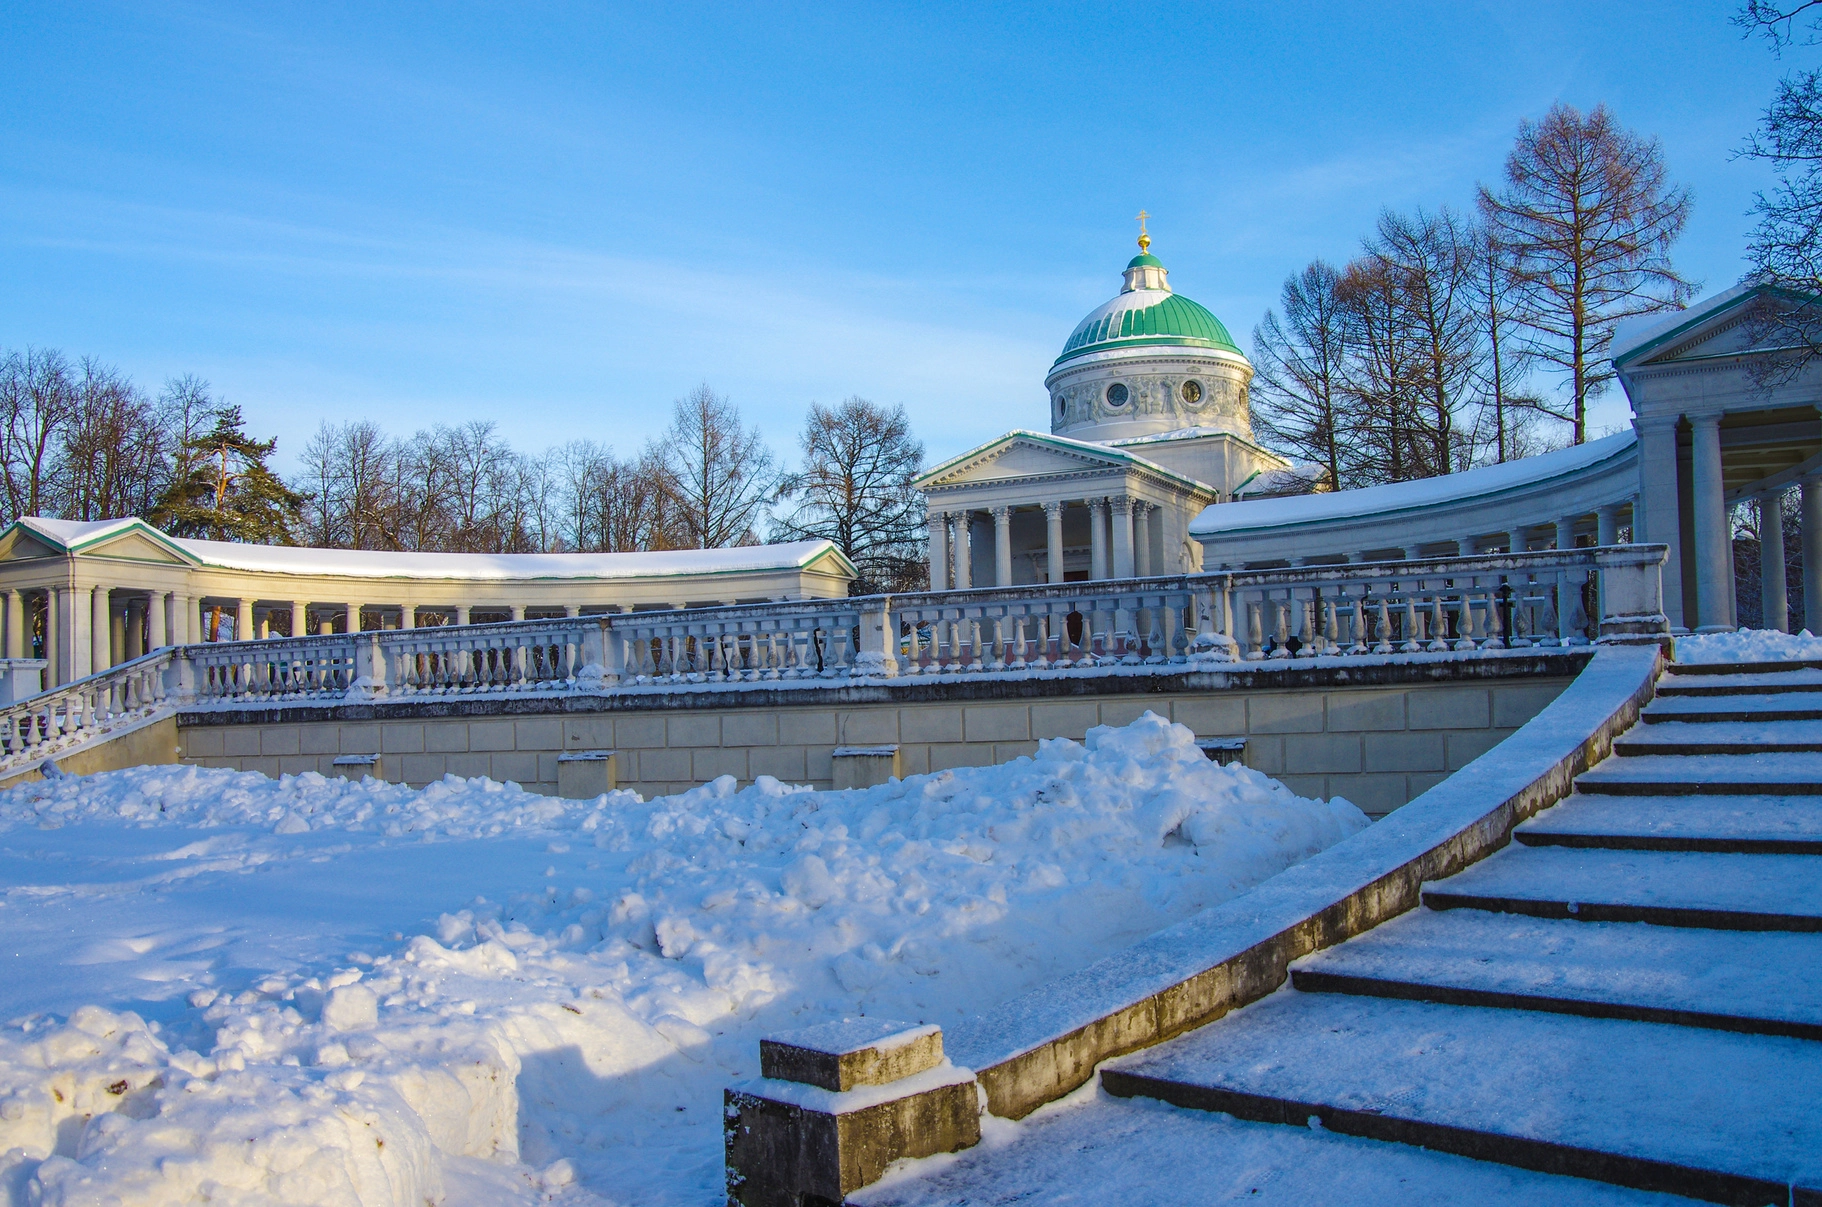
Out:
{"x": 312, "y": 991}
{"x": 1749, "y": 645}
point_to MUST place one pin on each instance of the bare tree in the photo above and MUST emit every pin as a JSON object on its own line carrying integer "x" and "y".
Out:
{"x": 855, "y": 488}
{"x": 1382, "y": 381}
{"x": 1299, "y": 364}
{"x": 719, "y": 473}
{"x": 1588, "y": 215}
{"x": 37, "y": 398}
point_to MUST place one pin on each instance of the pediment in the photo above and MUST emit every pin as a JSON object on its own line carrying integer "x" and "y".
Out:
{"x": 1021, "y": 457}
{"x": 20, "y": 546}
{"x": 133, "y": 546}
{"x": 1742, "y": 321}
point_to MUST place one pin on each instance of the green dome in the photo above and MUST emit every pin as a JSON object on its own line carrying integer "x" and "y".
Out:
{"x": 1145, "y": 260}
{"x": 1148, "y": 317}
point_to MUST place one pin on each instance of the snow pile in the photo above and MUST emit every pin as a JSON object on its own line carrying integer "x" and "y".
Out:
{"x": 1749, "y": 645}
{"x": 583, "y": 1023}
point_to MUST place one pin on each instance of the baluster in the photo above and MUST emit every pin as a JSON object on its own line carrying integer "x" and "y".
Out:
{"x": 1439, "y": 626}
{"x": 1255, "y": 635}
{"x": 1412, "y": 645}
{"x": 1492, "y": 626}
{"x": 1281, "y": 637}
{"x": 1464, "y": 625}
{"x": 1308, "y": 645}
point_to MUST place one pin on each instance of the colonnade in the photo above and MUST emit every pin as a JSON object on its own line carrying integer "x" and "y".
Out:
{"x": 1121, "y": 534}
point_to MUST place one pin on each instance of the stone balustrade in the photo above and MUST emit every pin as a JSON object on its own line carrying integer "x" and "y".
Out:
{"x": 52, "y": 722}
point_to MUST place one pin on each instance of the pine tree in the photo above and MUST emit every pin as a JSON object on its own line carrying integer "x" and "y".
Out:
{"x": 229, "y": 493}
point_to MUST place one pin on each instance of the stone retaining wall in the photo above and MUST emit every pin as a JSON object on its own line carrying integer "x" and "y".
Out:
{"x": 1379, "y": 734}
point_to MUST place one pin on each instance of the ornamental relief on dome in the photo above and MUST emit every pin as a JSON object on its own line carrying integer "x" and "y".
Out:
{"x": 1195, "y": 397}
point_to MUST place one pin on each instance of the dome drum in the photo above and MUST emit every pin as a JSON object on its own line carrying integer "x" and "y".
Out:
{"x": 1119, "y": 397}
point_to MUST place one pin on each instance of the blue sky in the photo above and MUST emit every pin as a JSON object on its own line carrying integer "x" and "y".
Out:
{"x": 561, "y": 217}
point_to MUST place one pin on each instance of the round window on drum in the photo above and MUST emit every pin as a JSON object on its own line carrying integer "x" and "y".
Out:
{"x": 1116, "y": 395}
{"x": 1192, "y": 393}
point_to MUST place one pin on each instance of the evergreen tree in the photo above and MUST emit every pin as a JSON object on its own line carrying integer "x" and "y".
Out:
{"x": 229, "y": 493}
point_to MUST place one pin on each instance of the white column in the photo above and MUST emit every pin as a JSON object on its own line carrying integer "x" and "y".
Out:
{"x": 408, "y": 616}
{"x": 117, "y": 634}
{"x": 1772, "y": 588}
{"x": 300, "y": 618}
{"x": 1002, "y": 546}
{"x": 262, "y": 623}
{"x": 56, "y": 640}
{"x": 1515, "y": 541}
{"x": 1413, "y": 552}
{"x": 1097, "y": 539}
{"x": 1607, "y": 524}
{"x": 97, "y": 643}
{"x": 135, "y": 644}
{"x": 352, "y": 617}
{"x": 17, "y": 620}
{"x": 157, "y": 623}
{"x": 1712, "y": 584}
{"x": 244, "y": 629}
{"x": 1465, "y": 546}
{"x": 1662, "y": 513}
{"x": 1122, "y": 537}
{"x": 1812, "y": 553}
{"x": 1053, "y": 541}
{"x": 964, "y": 550}
{"x": 461, "y": 614}
{"x": 183, "y": 619}
{"x": 1142, "y": 517}
{"x": 939, "y": 550}
{"x": 572, "y": 610}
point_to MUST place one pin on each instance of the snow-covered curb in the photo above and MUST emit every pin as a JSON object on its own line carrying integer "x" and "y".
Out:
{"x": 1041, "y": 1046}
{"x": 1749, "y": 646}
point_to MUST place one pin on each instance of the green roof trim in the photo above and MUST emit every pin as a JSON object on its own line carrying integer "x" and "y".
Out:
{"x": 1173, "y": 321}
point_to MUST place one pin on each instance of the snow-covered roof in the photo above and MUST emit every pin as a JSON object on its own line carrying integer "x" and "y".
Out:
{"x": 1410, "y": 496}
{"x": 75, "y": 536}
{"x": 1629, "y": 335}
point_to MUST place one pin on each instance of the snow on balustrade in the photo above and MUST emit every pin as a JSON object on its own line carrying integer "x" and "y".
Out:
{"x": 55, "y": 721}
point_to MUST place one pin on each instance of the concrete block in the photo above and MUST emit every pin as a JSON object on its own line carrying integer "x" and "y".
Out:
{"x": 1209, "y": 715}
{"x": 1514, "y": 704}
{"x": 664, "y": 765}
{"x": 930, "y": 723}
{"x": 819, "y": 764}
{"x": 687, "y": 731}
{"x": 240, "y": 741}
{"x": 1315, "y": 786}
{"x": 420, "y": 769}
{"x": 513, "y": 766}
{"x": 753, "y": 727}
{"x": 401, "y": 739}
{"x": 445, "y": 737}
{"x": 710, "y": 762}
{"x": 543, "y": 733}
{"x": 359, "y": 766}
{"x": 1072, "y": 719}
{"x": 638, "y": 733}
{"x": 1388, "y": 753}
{"x": 1464, "y": 748}
{"x": 842, "y": 1055}
{"x": 586, "y": 774}
{"x": 1422, "y": 781}
{"x": 297, "y": 764}
{"x": 266, "y": 765}
{"x": 996, "y": 723}
{"x": 547, "y": 766}
{"x": 866, "y": 727}
{"x": 780, "y": 762}
{"x": 915, "y": 759}
{"x": 863, "y": 767}
{"x": 1352, "y": 710}
{"x": 319, "y": 739}
{"x": 1265, "y": 753}
{"x": 588, "y": 733}
{"x": 278, "y": 739}
{"x": 807, "y": 727}
{"x": 359, "y": 739}
{"x": 1125, "y": 712}
{"x": 490, "y": 735}
{"x": 201, "y": 742}
{"x": 1299, "y": 712}
{"x": 1449, "y": 708}
{"x": 1374, "y": 795}
{"x": 1324, "y": 753}
{"x": 1005, "y": 752}
{"x": 944, "y": 755}
{"x": 468, "y": 766}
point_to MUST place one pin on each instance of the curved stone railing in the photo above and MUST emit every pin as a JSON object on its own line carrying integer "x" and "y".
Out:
{"x": 56, "y": 721}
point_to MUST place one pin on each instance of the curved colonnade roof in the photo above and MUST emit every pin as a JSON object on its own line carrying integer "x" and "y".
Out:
{"x": 73, "y": 536}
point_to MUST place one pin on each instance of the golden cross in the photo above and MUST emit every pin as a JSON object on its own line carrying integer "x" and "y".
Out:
{"x": 1144, "y": 239}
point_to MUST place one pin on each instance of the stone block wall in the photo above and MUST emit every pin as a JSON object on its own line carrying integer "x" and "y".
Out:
{"x": 1378, "y": 744}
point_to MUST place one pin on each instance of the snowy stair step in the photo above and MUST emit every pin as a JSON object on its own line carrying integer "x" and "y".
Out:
{"x": 1750, "y": 706}
{"x": 1721, "y": 737}
{"x": 1705, "y": 774}
{"x": 1744, "y": 668}
{"x": 1666, "y": 888}
{"x": 1767, "y": 984}
{"x": 1808, "y": 679}
{"x": 1722, "y": 1116}
{"x": 1762, "y": 825}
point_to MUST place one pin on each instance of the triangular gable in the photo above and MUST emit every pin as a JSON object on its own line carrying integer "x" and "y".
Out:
{"x": 831, "y": 561}
{"x": 85, "y": 539}
{"x": 1716, "y": 326}
{"x": 133, "y": 546}
{"x": 1023, "y": 454}
{"x": 18, "y": 545}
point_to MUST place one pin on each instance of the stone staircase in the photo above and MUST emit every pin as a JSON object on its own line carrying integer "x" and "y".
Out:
{"x": 1631, "y": 992}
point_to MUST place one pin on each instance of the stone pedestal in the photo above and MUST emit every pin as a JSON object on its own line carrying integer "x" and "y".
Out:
{"x": 586, "y": 774}
{"x": 865, "y": 766}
